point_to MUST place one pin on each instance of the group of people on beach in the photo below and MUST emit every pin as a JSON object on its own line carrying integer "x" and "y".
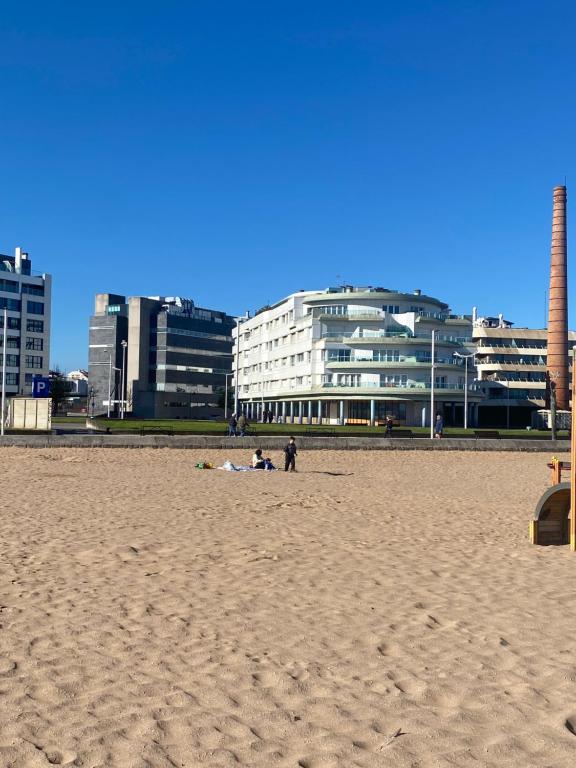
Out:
{"x": 290, "y": 452}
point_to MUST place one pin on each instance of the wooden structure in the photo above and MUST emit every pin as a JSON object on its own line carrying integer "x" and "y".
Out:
{"x": 553, "y": 522}
{"x": 551, "y": 518}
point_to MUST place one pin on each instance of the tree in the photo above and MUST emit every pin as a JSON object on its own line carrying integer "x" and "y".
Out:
{"x": 59, "y": 389}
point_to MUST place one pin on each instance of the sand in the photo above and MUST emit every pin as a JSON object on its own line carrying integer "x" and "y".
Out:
{"x": 390, "y": 614}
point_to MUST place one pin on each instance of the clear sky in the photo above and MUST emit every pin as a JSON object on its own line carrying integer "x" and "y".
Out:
{"x": 233, "y": 152}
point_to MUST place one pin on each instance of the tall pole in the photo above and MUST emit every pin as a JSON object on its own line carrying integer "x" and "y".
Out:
{"x": 573, "y": 459}
{"x": 3, "y": 406}
{"x": 122, "y": 401}
{"x": 109, "y": 385}
{"x": 466, "y": 393}
{"x": 432, "y": 374}
{"x": 226, "y": 395}
{"x": 236, "y": 410}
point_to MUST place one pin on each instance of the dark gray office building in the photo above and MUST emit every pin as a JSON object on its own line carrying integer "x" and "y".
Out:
{"x": 173, "y": 363}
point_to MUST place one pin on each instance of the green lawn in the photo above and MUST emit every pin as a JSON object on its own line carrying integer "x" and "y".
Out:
{"x": 220, "y": 427}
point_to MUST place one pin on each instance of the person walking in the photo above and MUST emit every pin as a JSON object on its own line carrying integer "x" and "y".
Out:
{"x": 290, "y": 452}
{"x": 389, "y": 426}
{"x": 242, "y": 425}
{"x": 438, "y": 427}
{"x": 232, "y": 425}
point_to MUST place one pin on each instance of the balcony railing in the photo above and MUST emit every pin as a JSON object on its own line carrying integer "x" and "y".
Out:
{"x": 381, "y": 334}
{"x": 393, "y": 385}
{"x": 403, "y": 359}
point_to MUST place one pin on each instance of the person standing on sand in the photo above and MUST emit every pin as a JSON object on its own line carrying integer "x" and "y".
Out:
{"x": 439, "y": 426}
{"x": 290, "y": 456}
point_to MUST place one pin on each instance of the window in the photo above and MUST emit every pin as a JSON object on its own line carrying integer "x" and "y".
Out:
{"x": 12, "y": 379}
{"x": 13, "y": 323}
{"x": 33, "y": 361}
{"x": 12, "y": 361}
{"x": 9, "y": 285}
{"x": 35, "y": 326}
{"x": 11, "y": 304}
{"x": 28, "y": 378}
{"x": 33, "y": 290}
{"x": 35, "y": 308}
{"x": 113, "y": 309}
{"x": 34, "y": 343}
{"x": 12, "y": 342}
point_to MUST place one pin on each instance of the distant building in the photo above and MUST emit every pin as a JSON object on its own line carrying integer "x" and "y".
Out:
{"x": 27, "y": 296}
{"x": 176, "y": 361}
{"x": 511, "y": 366}
{"x": 355, "y": 356}
{"x": 78, "y": 382}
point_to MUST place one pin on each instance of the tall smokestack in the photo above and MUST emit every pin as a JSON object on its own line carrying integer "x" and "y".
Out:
{"x": 557, "y": 355}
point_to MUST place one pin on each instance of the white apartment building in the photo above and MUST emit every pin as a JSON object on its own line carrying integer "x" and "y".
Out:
{"x": 354, "y": 356}
{"x": 26, "y": 296}
{"x": 511, "y": 369}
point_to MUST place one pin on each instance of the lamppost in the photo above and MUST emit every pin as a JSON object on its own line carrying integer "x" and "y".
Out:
{"x": 122, "y": 401}
{"x": 226, "y": 377}
{"x": 110, "y": 369}
{"x": 465, "y": 358}
{"x": 432, "y": 374}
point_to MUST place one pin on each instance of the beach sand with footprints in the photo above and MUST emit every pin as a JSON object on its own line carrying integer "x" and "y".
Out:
{"x": 374, "y": 609}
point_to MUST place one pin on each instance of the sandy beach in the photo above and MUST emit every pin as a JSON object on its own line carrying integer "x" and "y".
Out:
{"x": 374, "y": 609}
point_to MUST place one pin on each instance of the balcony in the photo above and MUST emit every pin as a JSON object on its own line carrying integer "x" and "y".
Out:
{"x": 410, "y": 386}
{"x": 382, "y": 336}
{"x": 405, "y": 361}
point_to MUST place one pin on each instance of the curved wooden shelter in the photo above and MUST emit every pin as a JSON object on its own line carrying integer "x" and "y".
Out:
{"x": 551, "y": 519}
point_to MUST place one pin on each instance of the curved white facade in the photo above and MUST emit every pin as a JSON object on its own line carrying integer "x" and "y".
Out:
{"x": 353, "y": 355}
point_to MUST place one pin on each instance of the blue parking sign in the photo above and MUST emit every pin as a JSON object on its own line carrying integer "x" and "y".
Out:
{"x": 40, "y": 386}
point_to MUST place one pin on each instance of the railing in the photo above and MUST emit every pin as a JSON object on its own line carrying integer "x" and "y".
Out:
{"x": 398, "y": 360}
{"x": 367, "y": 334}
{"x": 393, "y": 385}
{"x": 515, "y": 364}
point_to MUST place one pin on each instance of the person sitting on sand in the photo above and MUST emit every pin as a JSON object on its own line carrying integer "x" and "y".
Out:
{"x": 257, "y": 460}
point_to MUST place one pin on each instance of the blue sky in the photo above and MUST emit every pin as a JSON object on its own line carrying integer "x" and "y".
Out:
{"x": 234, "y": 152}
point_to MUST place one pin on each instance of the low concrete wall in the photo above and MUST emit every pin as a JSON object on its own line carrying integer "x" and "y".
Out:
{"x": 277, "y": 443}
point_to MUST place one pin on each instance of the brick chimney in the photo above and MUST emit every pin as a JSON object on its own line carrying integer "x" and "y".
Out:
{"x": 557, "y": 355}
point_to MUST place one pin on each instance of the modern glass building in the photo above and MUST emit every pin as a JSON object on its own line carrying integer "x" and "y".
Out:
{"x": 351, "y": 355}
{"x": 26, "y": 295}
{"x": 175, "y": 362}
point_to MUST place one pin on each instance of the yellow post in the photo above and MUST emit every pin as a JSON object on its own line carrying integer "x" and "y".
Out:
{"x": 573, "y": 459}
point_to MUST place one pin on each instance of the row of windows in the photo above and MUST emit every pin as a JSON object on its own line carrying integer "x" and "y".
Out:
{"x": 279, "y": 362}
{"x": 32, "y": 326}
{"x": 13, "y": 342}
{"x": 279, "y": 341}
{"x": 15, "y": 305}
{"x": 12, "y": 286}
{"x": 296, "y": 381}
{"x": 13, "y": 323}
{"x": 12, "y": 361}
{"x": 30, "y": 361}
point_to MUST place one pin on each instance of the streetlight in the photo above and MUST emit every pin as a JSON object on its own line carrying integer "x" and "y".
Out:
{"x": 122, "y": 401}
{"x": 465, "y": 358}
{"x": 226, "y": 377}
{"x": 110, "y": 369}
{"x": 432, "y": 374}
